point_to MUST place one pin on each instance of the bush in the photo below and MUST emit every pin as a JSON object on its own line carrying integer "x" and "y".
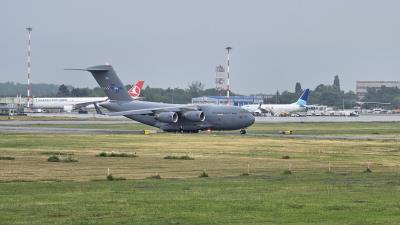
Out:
{"x": 69, "y": 159}
{"x": 103, "y": 154}
{"x": 285, "y": 157}
{"x": 287, "y": 172}
{"x": 113, "y": 154}
{"x": 157, "y": 176}
{"x": 7, "y": 158}
{"x": 116, "y": 154}
{"x": 111, "y": 178}
{"x": 184, "y": 157}
{"x": 53, "y": 158}
{"x": 368, "y": 170}
{"x": 204, "y": 174}
{"x": 245, "y": 174}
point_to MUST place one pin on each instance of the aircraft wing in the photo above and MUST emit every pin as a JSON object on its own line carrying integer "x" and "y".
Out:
{"x": 264, "y": 109}
{"x": 154, "y": 110}
{"x": 84, "y": 104}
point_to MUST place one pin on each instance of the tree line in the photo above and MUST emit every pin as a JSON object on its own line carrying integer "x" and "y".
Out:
{"x": 330, "y": 95}
{"x": 323, "y": 94}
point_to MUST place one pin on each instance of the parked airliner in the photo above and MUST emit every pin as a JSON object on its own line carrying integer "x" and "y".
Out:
{"x": 72, "y": 103}
{"x": 279, "y": 109}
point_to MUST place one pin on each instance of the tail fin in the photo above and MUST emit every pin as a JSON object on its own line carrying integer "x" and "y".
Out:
{"x": 109, "y": 82}
{"x": 302, "y": 101}
{"x": 134, "y": 92}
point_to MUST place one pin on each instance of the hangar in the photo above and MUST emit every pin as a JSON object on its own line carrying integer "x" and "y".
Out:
{"x": 233, "y": 100}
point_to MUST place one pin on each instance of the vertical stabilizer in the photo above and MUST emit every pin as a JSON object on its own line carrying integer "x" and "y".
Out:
{"x": 134, "y": 92}
{"x": 109, "y": 82}
{"x": 302, "y": 101}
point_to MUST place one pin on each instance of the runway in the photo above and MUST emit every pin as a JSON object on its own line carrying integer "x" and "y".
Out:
{"x": 30, "y": 126}
{"x": 52, "y": 130}
{"x": 269, "y": 119}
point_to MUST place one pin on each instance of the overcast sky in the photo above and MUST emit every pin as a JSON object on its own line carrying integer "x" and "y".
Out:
{"x": 172, "y": 43}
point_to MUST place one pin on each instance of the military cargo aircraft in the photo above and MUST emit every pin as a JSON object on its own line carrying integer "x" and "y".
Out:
{"x": 168, "y": 117}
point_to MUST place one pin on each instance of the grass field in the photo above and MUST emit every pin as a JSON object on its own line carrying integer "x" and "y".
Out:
{"x": 302, "y": 198}
{"x": 330, "y": 128}
{"x": 35, "y": 191}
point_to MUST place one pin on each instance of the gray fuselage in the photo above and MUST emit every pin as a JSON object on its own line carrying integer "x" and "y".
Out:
{"x": 217, "y": 117}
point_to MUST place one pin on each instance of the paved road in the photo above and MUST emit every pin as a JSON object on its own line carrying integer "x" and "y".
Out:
{"x": 121, "y": 120}
{"x": 361, "y": 118}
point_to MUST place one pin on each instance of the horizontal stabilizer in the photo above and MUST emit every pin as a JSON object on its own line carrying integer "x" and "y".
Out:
{"x": 76, "y": 69}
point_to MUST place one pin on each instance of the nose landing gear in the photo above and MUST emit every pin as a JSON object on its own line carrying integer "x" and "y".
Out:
{"x": 243, "y": 131}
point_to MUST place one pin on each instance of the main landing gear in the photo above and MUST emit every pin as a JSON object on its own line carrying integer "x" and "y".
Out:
{"x": 243, "y": 131}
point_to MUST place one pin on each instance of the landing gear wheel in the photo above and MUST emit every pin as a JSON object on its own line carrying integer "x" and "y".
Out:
{"x": 243, "y": 131}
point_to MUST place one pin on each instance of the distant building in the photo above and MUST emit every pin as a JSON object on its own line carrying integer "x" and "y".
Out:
{"x": 233, "y": 100}
{"x": 12, "y": 105}
{"x": 361, "y": 86}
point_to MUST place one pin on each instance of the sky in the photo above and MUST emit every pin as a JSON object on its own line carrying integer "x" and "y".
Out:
{"x": 173, "y": 43}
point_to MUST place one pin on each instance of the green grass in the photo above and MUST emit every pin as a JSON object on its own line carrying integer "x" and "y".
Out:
{"x": 221, "y": 154}
{"x": 246, "y": 183}
{"x": 271, "y": 199}
{"x": 329, "y": 128}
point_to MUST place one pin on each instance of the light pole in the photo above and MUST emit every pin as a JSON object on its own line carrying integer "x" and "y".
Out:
{"x": 29, "y": 29}
{"x": 228, "y": 49}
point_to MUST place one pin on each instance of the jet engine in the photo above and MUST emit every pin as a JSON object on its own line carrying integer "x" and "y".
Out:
{"x": 167, "y": 117}
{"x": 197, "y": 116}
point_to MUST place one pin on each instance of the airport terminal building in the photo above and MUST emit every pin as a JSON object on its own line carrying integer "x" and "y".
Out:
{"x": 12, "y": 105}
{"x": 233, "y": 100}
{"x": 362, "y": 86}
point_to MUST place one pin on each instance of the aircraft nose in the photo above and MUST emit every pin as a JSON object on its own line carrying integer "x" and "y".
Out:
{"x": 250, "y": 119}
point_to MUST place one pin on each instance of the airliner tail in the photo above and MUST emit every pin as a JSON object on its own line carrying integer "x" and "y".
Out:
{"x": 302, "y": 101}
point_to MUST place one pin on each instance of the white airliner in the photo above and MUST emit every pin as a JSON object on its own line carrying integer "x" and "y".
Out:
{"x": 279, "y": 109}
{"x": 71, "y": 103}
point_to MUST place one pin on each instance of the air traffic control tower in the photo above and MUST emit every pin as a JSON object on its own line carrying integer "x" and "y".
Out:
{"x": 220, "y": 80}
